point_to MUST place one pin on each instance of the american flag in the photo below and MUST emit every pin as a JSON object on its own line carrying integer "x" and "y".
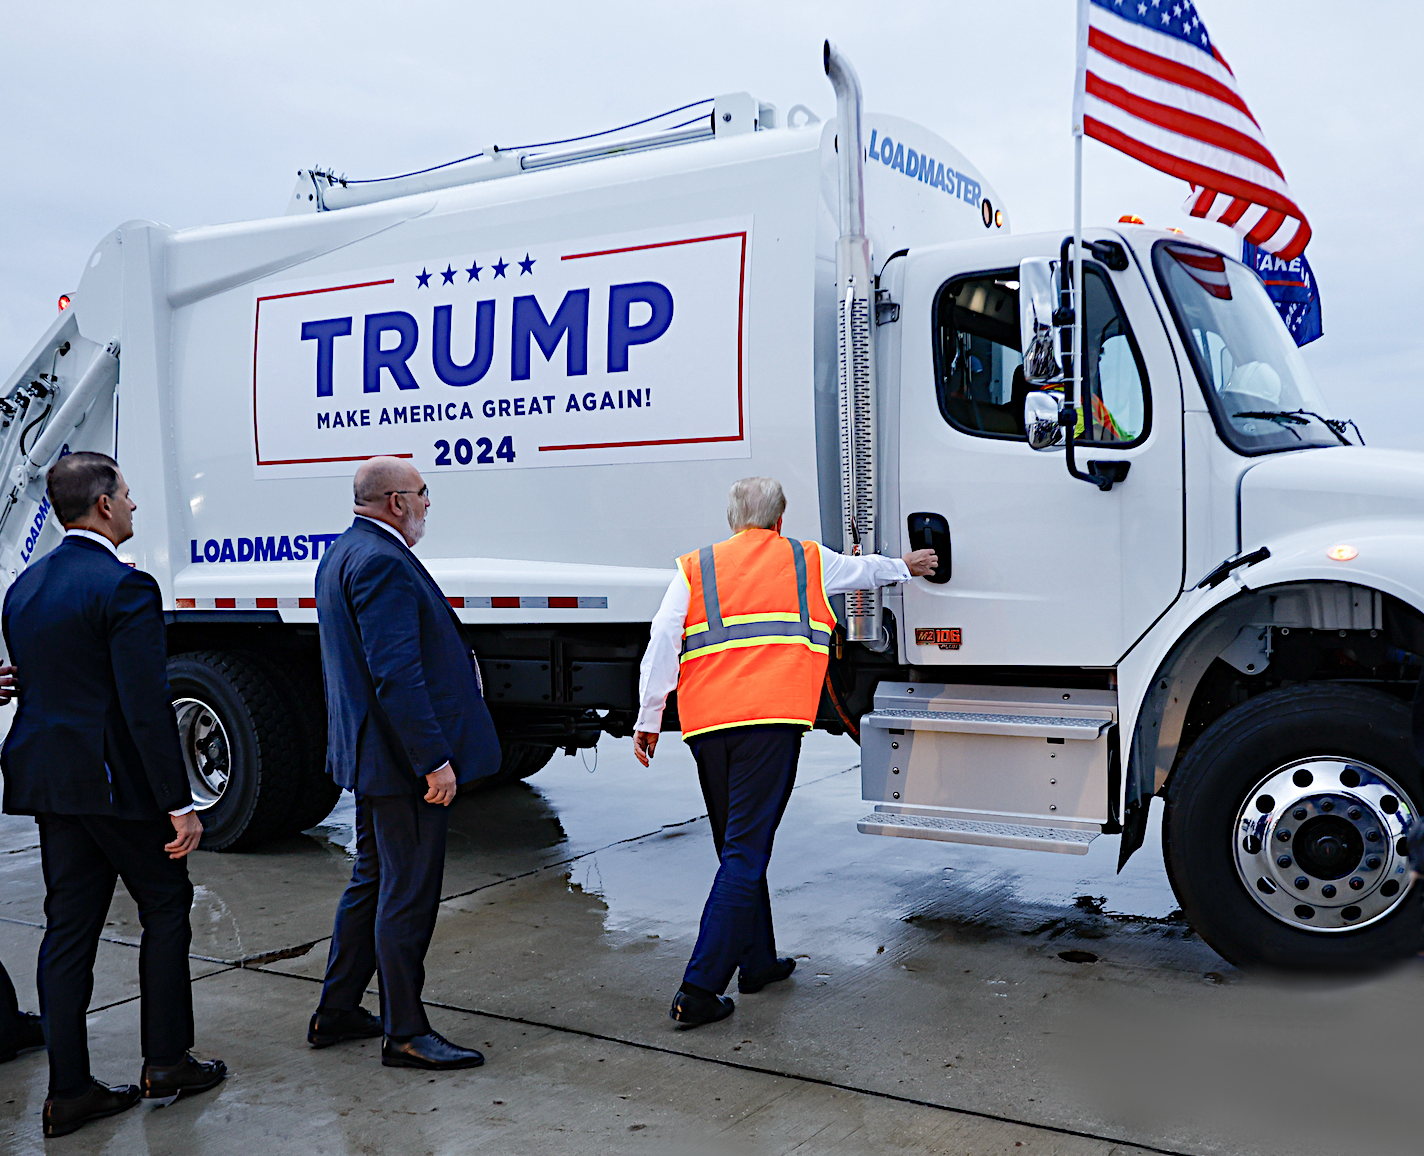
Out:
{"x": 1155, "y": 87}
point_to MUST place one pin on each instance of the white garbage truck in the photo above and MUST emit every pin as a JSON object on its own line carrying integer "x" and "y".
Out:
{"x": 1180, "y": 577}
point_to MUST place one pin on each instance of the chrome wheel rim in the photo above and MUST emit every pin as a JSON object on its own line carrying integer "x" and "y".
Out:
{"x": 207, "y": 754}
{"x": 1320, "y": 844}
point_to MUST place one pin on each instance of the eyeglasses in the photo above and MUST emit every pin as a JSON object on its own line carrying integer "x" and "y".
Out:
{"x": 423, "y": 492}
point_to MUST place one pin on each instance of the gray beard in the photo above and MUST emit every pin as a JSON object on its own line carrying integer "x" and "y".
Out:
{"x": 413, "y": 528}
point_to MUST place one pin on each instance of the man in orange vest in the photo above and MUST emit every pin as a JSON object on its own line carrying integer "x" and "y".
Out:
{"x": 744, "y": 634}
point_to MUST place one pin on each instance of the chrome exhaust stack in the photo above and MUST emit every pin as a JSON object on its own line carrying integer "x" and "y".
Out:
{"x": 855, "y": 293}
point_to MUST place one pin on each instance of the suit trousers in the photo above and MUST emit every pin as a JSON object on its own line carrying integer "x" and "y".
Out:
{"x": 82, "y": 856}
{"x": 9, "y": 1012}
{"x": 747, "y": 774}
{"x": 386, "y": 916}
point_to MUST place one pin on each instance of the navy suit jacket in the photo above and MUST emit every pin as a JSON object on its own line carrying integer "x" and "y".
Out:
{"x": 94, "y": 733}
{"x": 402, "y": 694}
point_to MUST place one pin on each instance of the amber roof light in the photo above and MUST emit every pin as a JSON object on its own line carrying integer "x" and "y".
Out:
{"x": 1342, "y": 553}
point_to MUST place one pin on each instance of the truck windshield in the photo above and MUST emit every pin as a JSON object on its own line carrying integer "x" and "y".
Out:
{"x": 1262, "y": 397}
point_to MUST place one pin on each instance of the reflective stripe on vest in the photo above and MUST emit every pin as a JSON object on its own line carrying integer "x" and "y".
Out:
{"x": 720, "y": 633}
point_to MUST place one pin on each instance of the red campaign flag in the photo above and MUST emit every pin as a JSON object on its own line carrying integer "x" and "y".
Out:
{"x": 1154, "y": 86}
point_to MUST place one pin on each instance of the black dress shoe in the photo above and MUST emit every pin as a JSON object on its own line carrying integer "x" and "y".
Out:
{"x": 432, "y": 1051}
{"x": 187, "y": 1077}
{"x": 747, "y": 984}
{"x": 62, "y": 1117}
{"x": 335, "y": 1027}
{"x": 692, "y": 1011}
{"x": 29, "y": 1033}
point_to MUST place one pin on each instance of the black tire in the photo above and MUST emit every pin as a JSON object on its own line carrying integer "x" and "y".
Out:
{"x": 1213, "y": 784}
{"x": 257, "y": 741}
{"x": 317, "y": 792}
{"x": 517, "y": 761}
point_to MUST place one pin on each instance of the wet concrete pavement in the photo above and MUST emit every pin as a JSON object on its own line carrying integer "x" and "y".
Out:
{"x": 947, "y": 998}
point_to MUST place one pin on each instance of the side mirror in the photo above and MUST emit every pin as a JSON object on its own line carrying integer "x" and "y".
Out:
{"x": 1041, "y": 342}
{"x": 1041, "y": 410}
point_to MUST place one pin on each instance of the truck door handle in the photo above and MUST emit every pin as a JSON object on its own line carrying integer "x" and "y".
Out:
{"x": 931, "y": 532}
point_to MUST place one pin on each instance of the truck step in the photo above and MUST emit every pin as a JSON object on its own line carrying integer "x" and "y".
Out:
{"x": 984, "y": 723}
{"x": 1018, "y": 835}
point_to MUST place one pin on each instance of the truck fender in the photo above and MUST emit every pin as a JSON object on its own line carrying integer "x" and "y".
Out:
{"x": 1211, "y": 623}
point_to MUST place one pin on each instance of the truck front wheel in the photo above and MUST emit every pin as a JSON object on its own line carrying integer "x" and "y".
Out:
{"x": 1284, "y": 831}
{"x": 241, "y": 745}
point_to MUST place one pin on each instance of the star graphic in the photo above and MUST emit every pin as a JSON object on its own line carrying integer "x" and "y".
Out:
{"x": 526, "y": 265}
{"x": 424, "y": 278}
{"x": 499, "y": 267}
{"x": 474, "y": 270}
{"x": 1142, "y": 9}
{"x": 448, "y": 275}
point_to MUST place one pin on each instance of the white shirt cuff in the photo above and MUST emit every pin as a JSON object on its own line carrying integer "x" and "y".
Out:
{"x": 184, "y": 811}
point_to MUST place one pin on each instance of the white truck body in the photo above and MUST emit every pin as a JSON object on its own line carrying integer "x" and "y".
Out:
{"x": 582, "y": 350}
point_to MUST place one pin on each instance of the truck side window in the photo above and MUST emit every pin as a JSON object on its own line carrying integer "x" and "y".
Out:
{"x": 979, "y": 366}
{"x": 1115, "y": 398}
{"x": 977, "y": 360}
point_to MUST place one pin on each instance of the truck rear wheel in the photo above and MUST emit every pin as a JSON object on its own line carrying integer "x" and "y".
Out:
{"x": 317, "y": 792}
{"x": 1284, "y": 831}
{"x": 241, "y": 746}
{"x": 517, "y": 761}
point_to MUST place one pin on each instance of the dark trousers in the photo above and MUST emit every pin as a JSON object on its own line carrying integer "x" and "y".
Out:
{"x": 9, "y": 1013}
{"x": 82, "y": 856}
{"x": 387, "y": 914}
{"x": 747, "y": 774}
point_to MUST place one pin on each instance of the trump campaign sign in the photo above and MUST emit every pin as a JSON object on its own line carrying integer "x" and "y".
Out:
{"x": 586, "y": 352}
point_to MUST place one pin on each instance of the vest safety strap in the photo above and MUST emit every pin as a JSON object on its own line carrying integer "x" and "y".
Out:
{"x": 718, "y": 634}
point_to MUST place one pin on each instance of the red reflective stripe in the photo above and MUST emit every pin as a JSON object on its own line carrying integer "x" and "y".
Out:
{"x": 185, "y": 603}
{"x": 457, "y": 603}
{"x": 307, "y": 603}
{"x": 224, "y": 603}
{"x": 504, "y": 603}
{"x": 266, "y": 604}
{"x": 563, "y": 603}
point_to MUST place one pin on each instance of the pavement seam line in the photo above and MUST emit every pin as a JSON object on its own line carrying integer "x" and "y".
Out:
{"x": 777, "y": 1073}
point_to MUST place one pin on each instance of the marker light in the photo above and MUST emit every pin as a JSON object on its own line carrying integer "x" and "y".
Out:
{"x": 1129, "y": 219}
{"x": 1342, "y": 553}
{"x": 1177, "y": 231}
{"x": 999, "y": 218}
{"x": 63, "y": 302}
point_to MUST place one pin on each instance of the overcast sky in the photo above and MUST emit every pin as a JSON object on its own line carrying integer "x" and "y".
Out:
{"x": 199, "y": 113}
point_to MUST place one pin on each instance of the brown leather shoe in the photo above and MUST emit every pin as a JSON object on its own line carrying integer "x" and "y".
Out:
{"x": 185, "y": 1078}
{"x": 29, "y": 1033}
{"x": 62, "y": 1117}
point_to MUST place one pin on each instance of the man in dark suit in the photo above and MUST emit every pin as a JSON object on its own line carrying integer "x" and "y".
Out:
{"x": 93, "y": 754}
{"x": 19, "y": 1031}
{"x": 407, "y": 725}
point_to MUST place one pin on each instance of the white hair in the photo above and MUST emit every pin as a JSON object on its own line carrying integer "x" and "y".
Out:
{"x": 755, "y": 502}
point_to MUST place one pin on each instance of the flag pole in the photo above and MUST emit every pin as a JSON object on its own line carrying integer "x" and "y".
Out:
{"x": 1079, "y": 92}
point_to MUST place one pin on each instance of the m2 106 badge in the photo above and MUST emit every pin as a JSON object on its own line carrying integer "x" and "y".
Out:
{"x": 945, "y": 637}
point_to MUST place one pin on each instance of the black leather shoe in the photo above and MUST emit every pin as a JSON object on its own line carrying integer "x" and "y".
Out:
{"x": 692, "y": 1011}
{"x": 747, "y": 984}
{"x": 187, "y": 1077}
{"x": 29, "y": 1033}
{"x": 62, "y": 1117}
{"x": 432, "y": 1051}
{"x": 335, "y": 1027}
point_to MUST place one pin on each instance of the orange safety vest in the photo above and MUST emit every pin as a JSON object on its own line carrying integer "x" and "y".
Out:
{"x": 757, "y": 635}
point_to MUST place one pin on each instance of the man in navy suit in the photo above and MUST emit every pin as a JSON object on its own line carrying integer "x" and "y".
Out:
{"x": 93, "y": 754}
{"x": 406, "y": 726}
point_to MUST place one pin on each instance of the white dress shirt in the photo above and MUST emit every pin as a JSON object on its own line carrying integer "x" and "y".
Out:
{"x": 112, "y": 549}
{"x": 388, "y": 528}
{"x": 662, "y": 662}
